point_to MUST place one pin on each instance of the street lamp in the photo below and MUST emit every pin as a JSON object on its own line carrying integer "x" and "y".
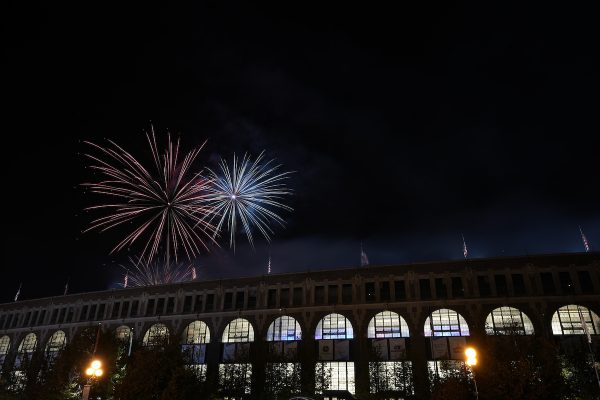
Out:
{"x": 471, "y": 361}
{"x": 93, "y": 372}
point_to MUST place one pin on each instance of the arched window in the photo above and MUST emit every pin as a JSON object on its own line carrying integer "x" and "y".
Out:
{"x": 387, "y": 324}
{"x": 157, "y": 335}
{"x": 123, "y": 333}
{"x": 508, "y": 321}
{"x": 237, "y": 331}
{"x": 26, "y": 349}
{"x": 193, "y": 347}
{"x": 334, "y": 326}
{"x": 284, "y": 328}
{"x": 196, "y": 333}
{"x": 445, "y": 322}
{"x": 56, "y": 343}
{"x": 569, "y": 320}
{"x": 4, "y": 347}
{"x": 28, "y": 344}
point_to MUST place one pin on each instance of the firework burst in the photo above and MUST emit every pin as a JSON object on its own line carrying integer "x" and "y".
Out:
{"x": 247, "y": 192}
{"x": 166, "y": 205}
{"x": 156, "y": 272}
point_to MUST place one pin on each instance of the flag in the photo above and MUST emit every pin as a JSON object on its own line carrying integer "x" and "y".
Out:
{"x": 269, "y": 266}
{"x": 457, "y": 347}
{"x": 439, "y": 348}
{"x": 326, "y": 349}
{"x": 380, "y": 348}
{"x": 276, "y": 348}
{"x": 66, "y": 288}
{"x": 586, "y": 244}
{"x": 18, "y": 292}
{"x": 341, "y": 350}
{"x": 125, "y": 280}
{"x": 290, "y": 350}
{"x": 229, "y": 352}
{"x": 397, "y": 348}
{"x": 364, "y": 260}
{"x": 194, "y": 273}
{"x": 465, "y": 250}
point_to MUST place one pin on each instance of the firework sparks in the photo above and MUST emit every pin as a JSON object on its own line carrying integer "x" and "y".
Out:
{"x": 248, "y": 192}
{"x": 166, "y": 204}
{"x": 157, "y": 272}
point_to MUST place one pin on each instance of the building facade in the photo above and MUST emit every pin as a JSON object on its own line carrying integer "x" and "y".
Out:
{"x": 339, "y": 324}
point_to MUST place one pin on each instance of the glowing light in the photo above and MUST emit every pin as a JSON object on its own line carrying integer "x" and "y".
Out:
{"x": 166, "y": 204}
{"x": 247, "y": 192}
{"x": 95, "y": 370}
{"x": 471, "y": 354}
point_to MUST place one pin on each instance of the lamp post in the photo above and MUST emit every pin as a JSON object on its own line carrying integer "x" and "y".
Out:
{"x": 471, "y": 355}
{"x": 93, "y": 372}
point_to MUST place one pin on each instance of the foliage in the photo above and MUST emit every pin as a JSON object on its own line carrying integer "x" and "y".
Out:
{"x": 282, "y": 379}
{"x": 519, "y": 367}
{"x": 451, "y": 380}
{"x": 154, "y": 372}
{"x": 578, "y": 371}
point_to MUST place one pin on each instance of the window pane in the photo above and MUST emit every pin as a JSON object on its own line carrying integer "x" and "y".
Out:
{"x": 387, "y": 324}
{"x": 445, "y": 322}
{"x": 507, "y": 321}
{"x": 284, "y": 328}
{"x": 575, "y": 320}
{"x": 334, "y": 326}
{"x": 334, "y": 376}
{"x": 238, "y": 330}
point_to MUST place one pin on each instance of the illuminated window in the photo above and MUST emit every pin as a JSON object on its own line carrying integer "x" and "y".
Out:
{"x": 334, "y": 376}
{"x": 238, "y": 330}
{"x": 157, "y": 335}
{"x": 193, "y": 347}
{"x": 334, "y": 326}
{"x": 284, "y": 328}
{"x": 507, "y": 321}
{"x": 575, "y": 320}
{"x": 4, "y": 347}
{"x": 445, "y": 322}
{"x": 235, "y": 379}
{"x": 55, "y": 344}
{"x": 391, "y": 376}
{"x": 387, "y": 324}
{"x": 26, "y": 349}
{"x": 123, "y": 333}
{"x": 195, "y": 333}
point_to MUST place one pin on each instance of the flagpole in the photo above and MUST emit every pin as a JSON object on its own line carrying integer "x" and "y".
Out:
{"x": 18, "y": 292}
{"x": 437, "y": 375}
{"x": 589, "y": 343}
{"x": 67, "y": 286}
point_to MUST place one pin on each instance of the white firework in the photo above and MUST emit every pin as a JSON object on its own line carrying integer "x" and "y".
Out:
{"x": 248, "y": 193}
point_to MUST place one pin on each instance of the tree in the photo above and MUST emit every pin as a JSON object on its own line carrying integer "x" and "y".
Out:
{"x": 451, "y": 381}
{"x": 282, "y": 380}
{"x": 523, "y": 367}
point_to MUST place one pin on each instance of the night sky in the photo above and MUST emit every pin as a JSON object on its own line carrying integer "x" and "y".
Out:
{"x": 406, "y": 127}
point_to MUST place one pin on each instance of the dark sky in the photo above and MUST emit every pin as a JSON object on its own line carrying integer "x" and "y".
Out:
{"x": 406, "y": 126}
